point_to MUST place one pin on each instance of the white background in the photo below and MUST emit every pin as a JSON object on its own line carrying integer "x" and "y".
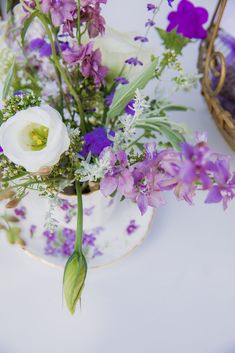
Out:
{"x": 175, "y": 294}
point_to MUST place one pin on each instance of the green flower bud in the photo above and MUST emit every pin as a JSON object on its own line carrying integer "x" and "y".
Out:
{"x": 74, "y": 279}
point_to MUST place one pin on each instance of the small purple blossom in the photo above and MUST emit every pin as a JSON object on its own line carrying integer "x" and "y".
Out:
{"x": 142, "y": 39}
{"x": 91, "y": 17}
{"x": 60, "y": 10}
{"x": 150, "y": 23}
{"x": 151, "y": 7}
{"x": 170, "y": 2}
{"x": 1, "y": 149}
{"x": 223, "y": 189}
{"x": 122, "y": 80}
{"x": 134, "y": 61}
{"x": 90, "y": 61}
{"x": 118, "y": 177}
{"x": 188, "y": 20}
{"x": 95, "y": 142}
{"x": 130, "y": 108}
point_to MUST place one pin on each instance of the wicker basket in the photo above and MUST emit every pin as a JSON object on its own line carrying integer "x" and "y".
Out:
{"x": 209, "y": 61}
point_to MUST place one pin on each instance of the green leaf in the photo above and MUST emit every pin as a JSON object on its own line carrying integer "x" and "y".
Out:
{"x": 172, "y": 40}
{"x": 11, "y": 4}
{"x": 8, "y": 81}
{"x": 1, "y": 118}
{"x": 74, "y": 279}
{"x": 126, "y": 93}
{"x": 175, "y": 108}
{"x": 26, "y": 25}
{"x": 13, "y": 235}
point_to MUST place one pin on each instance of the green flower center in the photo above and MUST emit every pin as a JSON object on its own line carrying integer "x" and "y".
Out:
{"x": 38, "y": 137}
{"x": 34, "y": 137}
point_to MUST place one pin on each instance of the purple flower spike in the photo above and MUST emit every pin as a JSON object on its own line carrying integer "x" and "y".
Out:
{"x": 45, "y": 50}
{"x": 134, "y": 62}
{"x": 188, "y": 20}
{"x": 1, "y": 150}
{"x": 142, "y": 39}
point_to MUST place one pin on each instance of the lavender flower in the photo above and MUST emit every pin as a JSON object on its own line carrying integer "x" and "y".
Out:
{"x": 134, "y": 62}
{"x": 142, "y": 39}
{"x": 150, "y": 23}
{"x": 151, "y": 7}
{"x": 188, "y": 20}
{"x": 122, "y": 80}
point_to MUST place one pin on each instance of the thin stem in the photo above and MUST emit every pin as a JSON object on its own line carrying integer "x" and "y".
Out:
{"x": 136, "y": 141}
{"x": 79, "y": 23}
{"x": 26, "y": 7}
{"x": 62, "y": 72}
{"x": 79, "y": 233}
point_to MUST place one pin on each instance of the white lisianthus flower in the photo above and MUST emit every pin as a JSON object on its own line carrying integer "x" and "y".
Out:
{"x": 116, "y": 47}
{"x": 34, "y": 138}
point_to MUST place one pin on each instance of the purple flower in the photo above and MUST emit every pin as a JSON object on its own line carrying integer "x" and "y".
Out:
{"x": 151, "y": 7}
{"x": 188, "y": 20}
{"x": 146, "y": 190}
{"x": 60, "y": 10}
{"x": 40, "y": 44}
{"x": 142, "y": 39}
{"x": 150, "y": 23}
{"x": 1, "y": 150}
{"x": 109, "y": 98}
{"x": 223, "y": 189}
{"x": 118, "y": 177}
{"x": 90, "y": 61}
{"x": 122, "y": 80}
{"x": 95, "y": 142}
{"x": 130, "y": 108}
{"x": 90, "y": 15}
{"x": 134, "y": 62}
{"x": 170, "y": 2}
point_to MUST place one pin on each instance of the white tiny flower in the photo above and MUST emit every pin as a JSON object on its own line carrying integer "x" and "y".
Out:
{"x": 34, "y": 138}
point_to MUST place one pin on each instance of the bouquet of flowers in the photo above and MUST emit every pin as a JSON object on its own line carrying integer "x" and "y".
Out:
{"x": 75, "y": 118}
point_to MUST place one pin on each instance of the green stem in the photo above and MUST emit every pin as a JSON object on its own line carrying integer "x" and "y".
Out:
{"x": 63, "y": 74}
{"x": 136, "y": 141}
{"x": 79, "y": 233}
{"x": 79, "y": 23}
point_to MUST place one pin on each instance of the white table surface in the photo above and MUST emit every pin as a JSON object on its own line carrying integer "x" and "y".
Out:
{"x": 175, "y": 294}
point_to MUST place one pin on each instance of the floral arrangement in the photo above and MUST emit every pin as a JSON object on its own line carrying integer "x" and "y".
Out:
{"x": 75, "y": 118}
